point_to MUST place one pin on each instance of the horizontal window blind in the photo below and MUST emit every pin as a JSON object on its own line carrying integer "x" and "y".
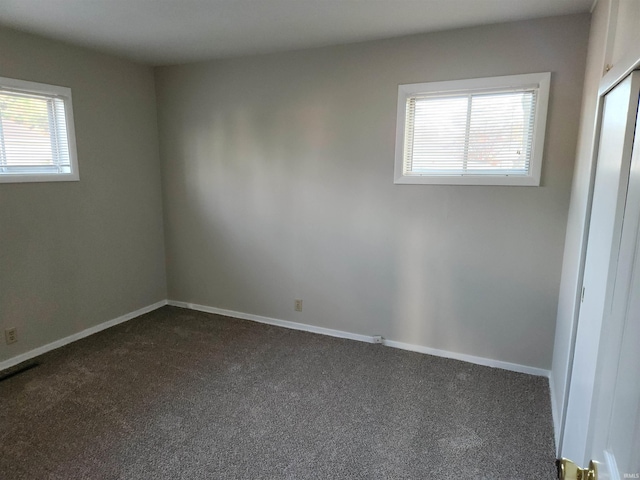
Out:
{"x": 33, "y": 134}
{"x": 469, "y": 134}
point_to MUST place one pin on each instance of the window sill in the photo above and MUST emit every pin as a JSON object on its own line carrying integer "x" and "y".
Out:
{"x": 497, "y": 180}
{"x": 58, "y": 177}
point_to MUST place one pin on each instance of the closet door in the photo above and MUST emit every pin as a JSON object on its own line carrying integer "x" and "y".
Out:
{"x": 598, "y": 362}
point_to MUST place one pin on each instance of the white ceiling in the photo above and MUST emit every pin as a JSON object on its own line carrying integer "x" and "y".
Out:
{"x": 178, "y": 31}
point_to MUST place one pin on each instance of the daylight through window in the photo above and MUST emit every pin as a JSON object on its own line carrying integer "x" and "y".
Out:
{"x": 491, "y": 133}
{"x": 36, "y": 133}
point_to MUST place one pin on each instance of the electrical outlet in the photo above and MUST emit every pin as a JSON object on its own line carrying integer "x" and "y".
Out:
{"x": 298, "y": 305}
{"x": 377, "y": 339}
{"x": 11, "y": 335}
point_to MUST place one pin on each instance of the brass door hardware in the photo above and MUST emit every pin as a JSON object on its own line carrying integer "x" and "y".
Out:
{"x": 567, "y": 470}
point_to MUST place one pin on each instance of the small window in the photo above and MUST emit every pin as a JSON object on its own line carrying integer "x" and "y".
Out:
{"x": 37, "y": 139}
{"x": 483, "y": 131}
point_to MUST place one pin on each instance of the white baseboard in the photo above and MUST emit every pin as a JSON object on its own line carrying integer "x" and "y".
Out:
{"x": 514, "y": 367}
{"x": 487, "y": 362}
{"x": 77, "y": 336}
{"x": 273, "y": 321}
{"x": 286, "y": 324}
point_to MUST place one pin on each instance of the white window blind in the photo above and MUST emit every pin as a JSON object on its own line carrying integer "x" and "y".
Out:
{"x": 481, "y": 135}
{"x": 35, "y": 140}
{"x": 475, "y": 134}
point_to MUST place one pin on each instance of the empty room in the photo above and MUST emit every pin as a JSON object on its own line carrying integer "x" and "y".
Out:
{"x": 319, "y": 239}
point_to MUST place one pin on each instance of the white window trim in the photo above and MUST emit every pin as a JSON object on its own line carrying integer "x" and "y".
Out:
{"x": 541, "y": 81}
{"x": 63, "y": 93}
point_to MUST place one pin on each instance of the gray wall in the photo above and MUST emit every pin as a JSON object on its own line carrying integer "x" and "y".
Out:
{"x": 278, "y": 184}
{"x": 76, "y": 254}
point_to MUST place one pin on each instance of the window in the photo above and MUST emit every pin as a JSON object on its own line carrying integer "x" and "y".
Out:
{"x": 483, "y": 131}
{"x": 37, "y": 139}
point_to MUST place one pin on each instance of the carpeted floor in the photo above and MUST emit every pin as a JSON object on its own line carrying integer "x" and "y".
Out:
{"x": 181, "y": 394}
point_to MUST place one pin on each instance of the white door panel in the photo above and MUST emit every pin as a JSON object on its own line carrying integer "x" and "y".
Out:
{"x": 615, "y": 432}
{"x": 610, "y": 190}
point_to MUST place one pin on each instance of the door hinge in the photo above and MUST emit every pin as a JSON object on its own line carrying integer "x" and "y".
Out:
{"x": 567, "y": 470}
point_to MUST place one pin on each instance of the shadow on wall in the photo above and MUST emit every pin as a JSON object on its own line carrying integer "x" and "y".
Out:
{"x": 277, "y": 199}
{"x": 460, "y": 301}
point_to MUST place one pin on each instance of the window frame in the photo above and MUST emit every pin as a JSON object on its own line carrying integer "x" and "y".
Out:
{"x": 63, "y": 93}
{"x": 539, "y": 81}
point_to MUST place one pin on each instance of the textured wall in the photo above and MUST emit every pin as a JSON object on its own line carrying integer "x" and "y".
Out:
{"x": 76, "y": 254}
{"x": 278, "y": 184}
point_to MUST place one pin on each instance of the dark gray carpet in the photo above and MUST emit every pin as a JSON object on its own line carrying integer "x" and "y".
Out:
{"x": 181, "y": 394}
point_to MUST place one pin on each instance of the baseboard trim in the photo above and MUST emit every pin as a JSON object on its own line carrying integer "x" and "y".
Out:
{"x": 77, "y": 336}
{"x": 487, "y": 362}
{"x": 273, "y": 321}
{"x": 514, "y": 367}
